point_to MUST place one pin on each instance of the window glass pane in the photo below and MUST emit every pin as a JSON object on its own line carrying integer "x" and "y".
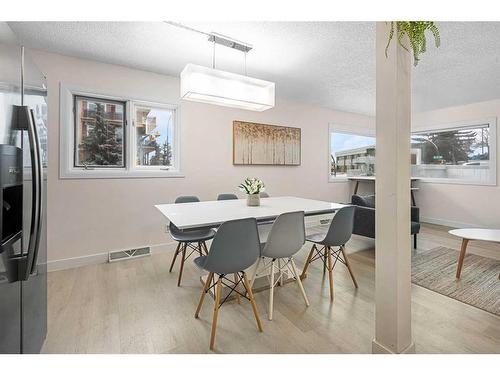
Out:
{"x": 154, "y": 136}
{"x": 461, "y": 153}
{"x": 99, "y": 132}
{"x": 351, "y": 155}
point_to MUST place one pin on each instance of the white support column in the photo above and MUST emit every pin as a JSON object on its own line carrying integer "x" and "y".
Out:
{"x": 393, "y": 246}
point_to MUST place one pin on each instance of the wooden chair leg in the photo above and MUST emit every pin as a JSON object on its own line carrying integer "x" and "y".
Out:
{"x": 236, "y": 288}
{"x": 205, "y": 247}
{"x": 324, "y": 258}
{"x": 299, "y": 282}
{"x": 203, "y": 292}
{"x": 348, "y": 266}
{"x": 254, "y": 273}
{"x": 308, "y": 261}
{"x": 216, "y": 313}
{"x": 182, "y": 263}
{"x": 461, "y": 257}
{"x": 271, "y": 293}
{"x": 252, "y": 301}
{"x": 200, "y": 251}
{"x": 330, "y": 271}
{"x": 175, "y": 256}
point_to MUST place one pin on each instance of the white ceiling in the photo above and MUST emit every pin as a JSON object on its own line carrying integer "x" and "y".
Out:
{"x": 331, "y": 64}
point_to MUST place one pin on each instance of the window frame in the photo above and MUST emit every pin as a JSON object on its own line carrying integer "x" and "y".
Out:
{"x": 438, "y": 127}
{"x": 174, "y": 142}
{"x": 67, "y": 128}
{"x": 75, "y": 135}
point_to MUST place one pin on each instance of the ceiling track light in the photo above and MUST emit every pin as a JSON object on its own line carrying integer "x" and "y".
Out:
{"x": 218, "y": 87}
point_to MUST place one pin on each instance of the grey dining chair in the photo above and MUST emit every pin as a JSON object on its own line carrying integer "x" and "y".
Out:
{"x": 193, "y": 239}
{"x": 286, "y": 238}
{"x": 235, "y": 248}
{"x": 226, "y": 196}
{"x": 339, "y": 232}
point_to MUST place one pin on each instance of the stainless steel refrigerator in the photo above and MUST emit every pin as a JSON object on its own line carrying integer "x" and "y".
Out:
{"x": 23, "y": 189}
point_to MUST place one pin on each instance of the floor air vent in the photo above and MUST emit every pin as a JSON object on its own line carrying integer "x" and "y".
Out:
{"x": 117, "y": 255}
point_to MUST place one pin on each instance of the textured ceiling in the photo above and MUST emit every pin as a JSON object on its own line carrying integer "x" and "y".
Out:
{"x": 331, "y": 64}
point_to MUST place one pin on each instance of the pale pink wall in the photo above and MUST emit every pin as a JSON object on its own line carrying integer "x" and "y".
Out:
{"x": 460, "y": 205}
{"x": 88, "y": 217}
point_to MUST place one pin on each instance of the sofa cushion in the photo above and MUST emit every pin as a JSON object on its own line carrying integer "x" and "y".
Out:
{"x": 366, "y": 201}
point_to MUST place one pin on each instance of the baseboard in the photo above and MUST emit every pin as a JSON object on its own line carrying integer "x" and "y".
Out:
{"x": 447, "y": 223}
{"x": 378, "y": 348}
{"x": 86, "y": 260}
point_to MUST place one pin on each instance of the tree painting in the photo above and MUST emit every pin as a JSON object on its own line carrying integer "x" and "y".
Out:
{"x": 260, "y": 144}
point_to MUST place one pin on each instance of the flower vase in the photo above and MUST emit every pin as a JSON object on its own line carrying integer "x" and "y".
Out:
{"x": 253, "y": 200}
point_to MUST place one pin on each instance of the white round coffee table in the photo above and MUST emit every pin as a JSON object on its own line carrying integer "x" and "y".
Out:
{"x": 476, "y": 234}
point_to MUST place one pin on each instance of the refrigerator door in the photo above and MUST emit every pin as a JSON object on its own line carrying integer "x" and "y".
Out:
{"x": 34, "y": 289}
{"x": 11, "y": 199}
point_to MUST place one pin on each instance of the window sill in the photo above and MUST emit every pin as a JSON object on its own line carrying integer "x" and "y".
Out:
{"x": 447, "y": 181}
{"x": 77, "y": 174}
{"x": 337, "y": 179}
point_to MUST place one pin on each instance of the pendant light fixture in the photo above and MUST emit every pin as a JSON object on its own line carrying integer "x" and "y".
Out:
{"x": 218, "y": 87}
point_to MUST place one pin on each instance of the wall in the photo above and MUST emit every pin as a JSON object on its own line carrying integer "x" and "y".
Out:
{"x": 88, "y": 218}
{"x": 453, "y": 204}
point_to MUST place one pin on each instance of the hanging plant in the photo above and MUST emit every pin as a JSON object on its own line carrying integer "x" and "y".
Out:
{"x": 416, "y": 35}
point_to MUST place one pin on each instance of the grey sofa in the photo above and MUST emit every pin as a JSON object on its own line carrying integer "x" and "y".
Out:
{"x": 364, "y": 217}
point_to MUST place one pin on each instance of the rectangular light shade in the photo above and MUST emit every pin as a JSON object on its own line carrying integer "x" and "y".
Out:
{"x": 206, "y": 85}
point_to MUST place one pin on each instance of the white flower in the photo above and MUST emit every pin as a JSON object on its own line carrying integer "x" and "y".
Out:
{"x": 252, "y": 186}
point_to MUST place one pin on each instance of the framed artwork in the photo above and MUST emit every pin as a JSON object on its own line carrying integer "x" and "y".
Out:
{"x": 262, "y": 144}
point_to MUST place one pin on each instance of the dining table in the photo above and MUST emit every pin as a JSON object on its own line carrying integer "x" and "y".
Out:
{"x": 211, "y": 214}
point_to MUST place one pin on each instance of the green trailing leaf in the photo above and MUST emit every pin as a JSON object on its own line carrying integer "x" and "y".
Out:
{"x": 416, "y": 36}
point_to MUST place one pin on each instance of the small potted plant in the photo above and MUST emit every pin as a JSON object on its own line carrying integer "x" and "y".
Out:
{"x": 252, "y": 187}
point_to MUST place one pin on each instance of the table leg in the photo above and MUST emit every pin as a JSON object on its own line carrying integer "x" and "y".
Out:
{"x": 412, "y": 199}
{"x": 356, "y": 188}
{"x": 461, "y": 257}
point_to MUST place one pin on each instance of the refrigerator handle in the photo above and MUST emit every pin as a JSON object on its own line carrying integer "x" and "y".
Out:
{"x": 36, "y": 201}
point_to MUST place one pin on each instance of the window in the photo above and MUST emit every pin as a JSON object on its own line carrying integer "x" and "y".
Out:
{"x": 99, "y": 129}
{"x": 351, "y": 154}
{"x": 154, "y": 136}
{"x": 462, "y": 153}
{"x": 104, "y": 136}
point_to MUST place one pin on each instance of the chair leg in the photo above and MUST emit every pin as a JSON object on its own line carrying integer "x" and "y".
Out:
{"x": 182, "y": 264}
{"x": 254, "y": 273}
{"x": 308, "y": 261}
{"x": 271, "y": 293}
{"x": 324, "y": 259}
{"x": 236, "y": 287}
{"x": 203, "y": 292}
{"x": 299, "y": 282}
{"x": 199, "y": 249}
{"x": 205, "y": 247}
{"x": 216, "y": 312}
{"x": 415, "y": 241}
{"x": 330, "y": 270}
{"x": 348, "y": 265}
{"x": 252, "y": 301}
{"x": 175, "y": 256}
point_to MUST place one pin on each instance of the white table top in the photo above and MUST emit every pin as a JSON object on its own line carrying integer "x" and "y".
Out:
{"x": 372, "y": 178}
{"x": 213, "y": 213}
{"x": 492, "y": 235}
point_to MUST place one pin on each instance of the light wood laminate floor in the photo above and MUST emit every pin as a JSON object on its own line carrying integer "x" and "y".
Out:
{"x": 135, "y": 307}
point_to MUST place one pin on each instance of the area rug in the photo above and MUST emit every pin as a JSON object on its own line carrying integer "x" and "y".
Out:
{"x": 478, "y": 286}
